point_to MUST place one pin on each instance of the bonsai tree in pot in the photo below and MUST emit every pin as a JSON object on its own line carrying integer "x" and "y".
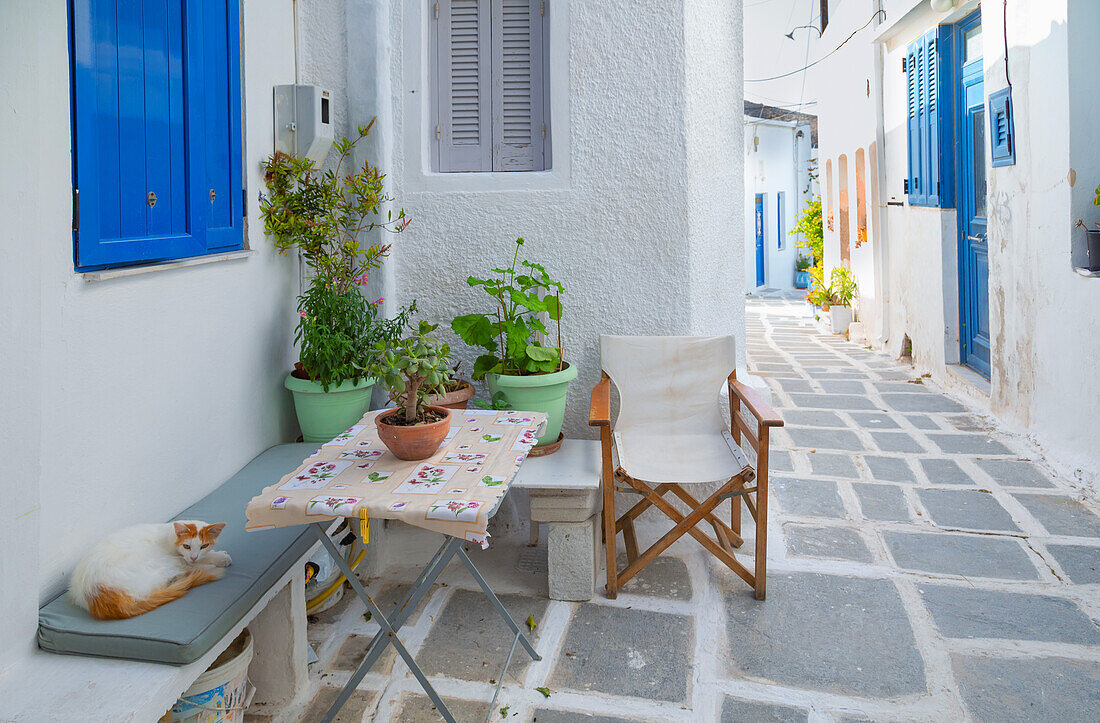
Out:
{"x": 521, "y": 363}
{"x": 412, "y": 370}
{"x": 324, "y": 215}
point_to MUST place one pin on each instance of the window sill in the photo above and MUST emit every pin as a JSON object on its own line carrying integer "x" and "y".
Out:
{"x": 106, "y": 274}
{"x": 1086, "y": 272}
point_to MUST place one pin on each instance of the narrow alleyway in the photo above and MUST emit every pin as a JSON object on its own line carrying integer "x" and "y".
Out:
{"x": 921, "y": 567}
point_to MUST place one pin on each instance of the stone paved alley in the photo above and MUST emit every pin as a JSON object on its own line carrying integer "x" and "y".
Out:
{"x": 922, "y": 566}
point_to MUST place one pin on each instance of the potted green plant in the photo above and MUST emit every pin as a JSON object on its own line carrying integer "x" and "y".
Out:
{"x": 412, "y": 370}
{"x": 455, "y": 393}
{"x": 841, "y": 292}
{"x": 520, "y": 365}
{"x": 324, "y": 215}
{"x": 802, "y": 272}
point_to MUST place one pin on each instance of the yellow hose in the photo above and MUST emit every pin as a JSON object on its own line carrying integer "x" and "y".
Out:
{"x": 328, "y": 592}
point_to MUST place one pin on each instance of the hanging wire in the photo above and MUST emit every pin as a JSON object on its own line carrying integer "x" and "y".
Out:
{"x": 834, "y": 50}
{"x": 1004, "y": 25}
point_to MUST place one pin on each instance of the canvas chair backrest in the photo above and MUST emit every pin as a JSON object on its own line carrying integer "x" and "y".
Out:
{"x": 669, "y": 384}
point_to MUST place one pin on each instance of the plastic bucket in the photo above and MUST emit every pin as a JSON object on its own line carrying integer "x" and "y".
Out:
{"x": 219, "y": 694}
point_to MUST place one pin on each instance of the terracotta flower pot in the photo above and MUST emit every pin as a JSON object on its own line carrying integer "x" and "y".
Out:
{"x": 413, "y": 442}
{"x": 458, "y": 399}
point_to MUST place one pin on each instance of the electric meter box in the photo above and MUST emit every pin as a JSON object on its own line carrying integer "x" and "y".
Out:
{"x": 303, "y": 121}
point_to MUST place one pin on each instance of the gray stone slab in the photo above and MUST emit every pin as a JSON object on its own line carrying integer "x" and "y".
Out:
{"x": 874, "y": 420}
{"x": 972, "y": 509}
{"x": 469, "y": 616}
{"x": 901, "y": 387}
{"x": 833, "y": 465}
{"x": 922, "y": 421}
{"x": 814, "y": 631}
{"x": 1061, "y": 515}
{"x": 814, "y": 438}
{"x": 800, "y": 386}
{"x": 736, "y": 710}
{"x": 812, "y": 418}
{"x": 965, "y": 612}
{"x": 770, "y": 367}
{"x": 832, "y": 401}
{"x": 833, "y": 386}
{"x": 896, "y": 442}
{"x": 894, "y": 376}
{"x": 626, "y": 652}
{"x": 780, "y": 461}
{"x": 352, "y": 651}
{"x": 1029, "y": 690}
{"x": 945, "y": 472}
{"x": 417, "y": 708}
{"x": 666, "y": 577}
{"x": 968, "y": 444}
{"x": 1080, "y": 562}
{"x": 1014, "y": 473}
{"x": 967, "y": 423}
{"x": 884, "y": 503}
{"x": 352, "y": 712}
{"x": 834, "y": 543}
{"x": 889, "y": 469}
{"x": 549, "y": 715}
{"x": 922, "y": 403}
{"x": 966, "y": 555}
{"x": 808, "y": 497}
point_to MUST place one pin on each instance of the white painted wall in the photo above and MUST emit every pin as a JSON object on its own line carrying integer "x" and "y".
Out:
{"x": 131, "y": 397}
{"x": 639, "y": 215}
{"x": 775, "y": 161}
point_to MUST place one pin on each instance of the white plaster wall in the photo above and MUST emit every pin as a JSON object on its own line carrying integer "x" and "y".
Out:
{"x": 638, "y": 217}
{"x": 138, "y": 394}
{"x": 775, "y": 165}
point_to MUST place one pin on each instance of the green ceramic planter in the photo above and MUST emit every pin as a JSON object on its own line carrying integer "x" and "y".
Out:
{"x": 537, "y": 393}
{"x": 323, "y": 415}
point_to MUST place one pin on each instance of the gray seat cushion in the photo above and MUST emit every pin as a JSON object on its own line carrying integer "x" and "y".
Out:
{"x": 184, "y": 630}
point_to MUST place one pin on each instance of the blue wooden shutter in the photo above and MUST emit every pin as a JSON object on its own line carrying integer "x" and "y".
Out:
{"x": 1001, "y": 141}
{"x": 518, "y": 75}
{"x": 932, "y": 117}
{"x": 913, "y": 120}
{"x": 134, "y": 132}
{"x": 463, "y": 137}
{"x": 216, "y": 23}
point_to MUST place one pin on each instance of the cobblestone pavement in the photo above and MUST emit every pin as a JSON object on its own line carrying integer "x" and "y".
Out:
{"x": 922, "y": 566}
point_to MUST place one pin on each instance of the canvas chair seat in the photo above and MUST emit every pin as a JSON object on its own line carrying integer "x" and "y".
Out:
{"x": 671, "y": 431}
{"x": 657, "y": 455}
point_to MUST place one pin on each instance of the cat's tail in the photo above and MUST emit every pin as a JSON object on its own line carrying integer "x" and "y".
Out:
{"x": 111, "y": 604}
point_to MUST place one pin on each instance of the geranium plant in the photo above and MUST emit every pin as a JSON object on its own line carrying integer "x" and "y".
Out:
{"x": 413, "y": 369}
{"x": 514, "y": 335}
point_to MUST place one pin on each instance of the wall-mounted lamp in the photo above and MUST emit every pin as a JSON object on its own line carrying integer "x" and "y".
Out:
{"x": 942, "y": 6}
{"x": 790, "y": 35}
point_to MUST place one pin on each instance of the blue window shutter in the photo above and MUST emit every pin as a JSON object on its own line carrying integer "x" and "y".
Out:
{"x": 932, "y": 117}
{"x": 1002, "y": 142}
{"x": 156, "y": 126}
{"x": 461, "y": 86}
{"x": 944, "y": 157}
{"x": 913, "y": 89}
{"x": 216, "y": 24}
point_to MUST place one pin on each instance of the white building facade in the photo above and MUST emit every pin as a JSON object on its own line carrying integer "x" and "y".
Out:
{"x": 953, "y": 176}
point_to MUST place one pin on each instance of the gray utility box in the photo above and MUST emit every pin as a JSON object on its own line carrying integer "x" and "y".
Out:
{"x": 303, "y": 121}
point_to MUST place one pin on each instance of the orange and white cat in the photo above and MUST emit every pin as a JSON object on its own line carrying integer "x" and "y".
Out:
{"x": 140, "y": 568}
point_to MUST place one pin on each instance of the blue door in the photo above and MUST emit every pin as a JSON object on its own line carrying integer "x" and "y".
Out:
{"x": 973, "y": 249}
{"x": 759, "y": 239}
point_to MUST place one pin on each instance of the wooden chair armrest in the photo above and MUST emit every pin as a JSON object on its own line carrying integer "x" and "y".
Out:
{"x": 756, "y": 404}
{"x": 599, "y": 414}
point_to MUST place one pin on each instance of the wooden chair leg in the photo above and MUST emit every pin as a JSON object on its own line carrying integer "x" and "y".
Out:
{"x": 631, "y": 540}
{"x": 761, "y": 552}
{"x": 610, "y": 539}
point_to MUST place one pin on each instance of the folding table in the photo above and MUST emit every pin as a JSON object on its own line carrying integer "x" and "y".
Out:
{"x": 454, "y": 492}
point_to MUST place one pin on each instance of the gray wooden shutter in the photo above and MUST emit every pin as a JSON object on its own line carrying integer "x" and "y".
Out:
{"x": 519, "y": 78}
{"x": 463, "y": 137}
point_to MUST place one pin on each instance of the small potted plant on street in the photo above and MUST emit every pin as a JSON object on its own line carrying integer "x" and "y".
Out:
{"x": 324, "y": 215}
{"x": 412, "y": 370}
{"x": 841, "y": 293}
{"x": 802, "y": 272}
{"x": 521, "y": 364}
{"x": 1091, "y": 256}
{"x": 456, "y": 392}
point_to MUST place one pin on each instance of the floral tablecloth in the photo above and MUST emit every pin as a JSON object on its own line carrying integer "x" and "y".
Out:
{"x": 454, "y": 491}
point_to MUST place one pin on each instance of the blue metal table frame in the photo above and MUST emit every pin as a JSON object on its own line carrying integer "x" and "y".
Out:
{"x": 387, "y": 635}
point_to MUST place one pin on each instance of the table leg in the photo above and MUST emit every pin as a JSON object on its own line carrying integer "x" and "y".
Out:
{"x": 387, "y": 630}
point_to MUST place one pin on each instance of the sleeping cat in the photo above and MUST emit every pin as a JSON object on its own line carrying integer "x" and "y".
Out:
{"x": 140, "y": 568}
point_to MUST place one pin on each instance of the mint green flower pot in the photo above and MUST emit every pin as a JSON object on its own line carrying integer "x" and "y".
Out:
{"x": 323, "y": 415}
{"x": 537, "y": 393}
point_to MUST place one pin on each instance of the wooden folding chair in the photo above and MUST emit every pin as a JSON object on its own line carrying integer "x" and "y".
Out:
{"x": 670, "y": 433}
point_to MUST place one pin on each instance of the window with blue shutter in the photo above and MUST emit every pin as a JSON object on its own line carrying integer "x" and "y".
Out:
{"x": 489, "y": 89}
{"x": 928, "y": 119}
{"x": 1001, "y": 140}
{"x": 157, "y": 148}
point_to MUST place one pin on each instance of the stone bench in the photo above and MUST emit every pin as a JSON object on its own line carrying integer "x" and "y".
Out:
{"x": 564, "y": 489}
{"x": 92, "y": 670}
